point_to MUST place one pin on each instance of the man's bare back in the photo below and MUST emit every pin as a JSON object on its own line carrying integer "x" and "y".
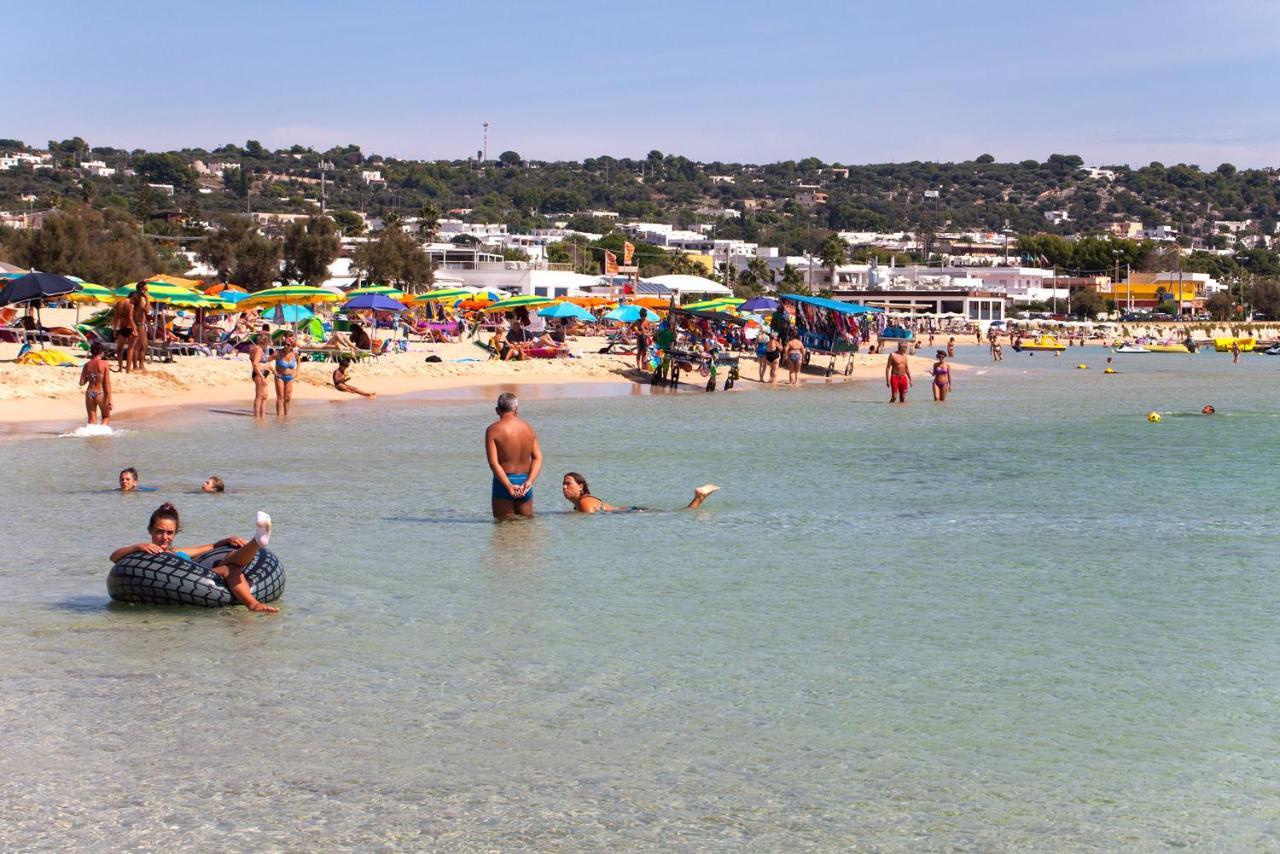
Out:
{"x": 515, "y": 458}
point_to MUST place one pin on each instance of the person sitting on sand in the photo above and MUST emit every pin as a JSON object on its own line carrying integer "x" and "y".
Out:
{"x": 129, "y": 480}
{"x": 359, "y": 338}
{"x": 578, "y": 494}
{"x": 164, "y": 527}
{"x": 340, "y": 378}
{"x": 95, "y": 376}
{"x": 503, "y": 349}
{"x": 213, "y": 485}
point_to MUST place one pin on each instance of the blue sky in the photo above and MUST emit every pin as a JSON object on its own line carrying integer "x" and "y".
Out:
{"x": 854, "y": 82}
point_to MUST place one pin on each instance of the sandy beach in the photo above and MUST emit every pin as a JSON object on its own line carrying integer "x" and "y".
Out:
{"x": 31, "y": 394}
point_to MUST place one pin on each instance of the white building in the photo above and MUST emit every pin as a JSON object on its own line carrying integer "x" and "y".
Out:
{"x": 1057, "y": 217}
{"x": 372, "y": 176}
{"x": 1160, "y": 234}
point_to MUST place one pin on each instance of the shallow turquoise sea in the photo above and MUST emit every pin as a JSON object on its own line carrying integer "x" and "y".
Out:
{"x": 1027, "y": 618}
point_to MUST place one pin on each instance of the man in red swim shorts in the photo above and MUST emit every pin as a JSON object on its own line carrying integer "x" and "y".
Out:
{"x": 897, "y": 374}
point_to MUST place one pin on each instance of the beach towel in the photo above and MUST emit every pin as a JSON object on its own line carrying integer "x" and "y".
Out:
{"x": 57, "y": 358}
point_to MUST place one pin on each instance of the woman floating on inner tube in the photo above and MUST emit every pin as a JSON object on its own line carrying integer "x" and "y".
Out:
{"x": 164, "y": 526}
{"x": 579, "y": 495}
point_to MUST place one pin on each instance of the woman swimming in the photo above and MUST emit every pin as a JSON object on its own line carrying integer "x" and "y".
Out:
{"x": 941, "y": 377}
{"x": 579, "y": 495}
{"x": 96, "y": 378}
{"x": 286, "y": 365}
{"x": 164, "y": 527}
{"x": 257, "y": 355}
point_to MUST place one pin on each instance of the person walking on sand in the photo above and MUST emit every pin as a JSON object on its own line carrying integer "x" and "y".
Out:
{"x": 515, "y": 457}
{"x": 122, "y": 333}
{"x": 795, "y": 359}
{"x": 941, "y": 377}
{"x": 257, "y": 356}
{"x": 141, "y": 306}
{"x": 96, "y": 377}
{"x": 897, "y": 374}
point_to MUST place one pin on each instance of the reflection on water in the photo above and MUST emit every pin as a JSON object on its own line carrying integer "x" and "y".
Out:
{"x": 1025, "y": 619}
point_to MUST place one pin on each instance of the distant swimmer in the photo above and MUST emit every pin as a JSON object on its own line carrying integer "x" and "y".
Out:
{"x": 213, "y": 485}
{"x": 164, "y": 527}
{"x": 897, "y": 374}
{"x": 129, "y": 480}
{"x": 1208, "y": 409}
{"x": 577, "y": 493}
{"x": 515, "y": 457}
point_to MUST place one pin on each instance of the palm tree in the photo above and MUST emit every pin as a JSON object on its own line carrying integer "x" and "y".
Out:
{"x": 758, "y": 269}
{"x": 792, "y": 280}
{"x": 428, "y": 221}
{"x": 833, "y": 252}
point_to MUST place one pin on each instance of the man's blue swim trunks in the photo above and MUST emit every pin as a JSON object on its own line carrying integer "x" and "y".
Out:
{"x": 500, "y": 492}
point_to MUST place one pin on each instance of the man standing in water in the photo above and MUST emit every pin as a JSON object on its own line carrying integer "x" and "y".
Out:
{"x": 515, "y": 458}
{"x": 897, "y": 374}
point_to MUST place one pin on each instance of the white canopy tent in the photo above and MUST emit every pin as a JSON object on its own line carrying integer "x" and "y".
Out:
{"x": 696, "y": 285}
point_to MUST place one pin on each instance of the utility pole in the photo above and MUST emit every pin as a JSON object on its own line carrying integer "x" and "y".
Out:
{"x": 324, "y": 164}
{"x": 485, "y": 158}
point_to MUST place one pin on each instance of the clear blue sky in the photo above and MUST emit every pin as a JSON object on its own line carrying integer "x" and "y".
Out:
{"x": 855, "y": 82}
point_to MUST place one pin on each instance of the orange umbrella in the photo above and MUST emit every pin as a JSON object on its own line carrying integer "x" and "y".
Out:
{"x": 219, "y": 287}
{"x": 653, "y": 302}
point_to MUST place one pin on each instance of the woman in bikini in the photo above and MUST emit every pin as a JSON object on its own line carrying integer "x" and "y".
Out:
{"x": 762, "y": 352}
{"x": 96, "y": 377}
{"x": 773, "y": 355}
{"x": 578, "y": 494}
{"x": 941, "y": 377}
{"x": 257, "y": 355}
{"x": 165, "y": 525}
{"x": 286, "y": 368}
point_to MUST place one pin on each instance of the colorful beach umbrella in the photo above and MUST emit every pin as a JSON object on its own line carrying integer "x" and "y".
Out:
{"x": 443, "y": 295}
{"x": 286, "y": 313}
{"x": 759, "y": 304}
{"x": 630, "y": 314}
{"x": 35, "y": 286}
{"x": 525, "y": 301}
{"x": 290, "y": 295}
{"x": 719, "y": 304}
{"x": 372, "y": 302}
{"x": 89, "y": 292}
{"x": 158, "y": 292}
{"x": 385, "y": 290}
{"x": 565, "y": 311}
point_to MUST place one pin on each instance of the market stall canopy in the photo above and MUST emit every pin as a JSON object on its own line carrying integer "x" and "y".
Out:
{"x": 833, "y": 304}
{"x": 35, "y": 286}
{"x": 713, "y": 316}
{"x": 684, "y": 284}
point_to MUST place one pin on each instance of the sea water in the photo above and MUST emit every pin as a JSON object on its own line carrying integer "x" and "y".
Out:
{"x": 1026, "y": 618}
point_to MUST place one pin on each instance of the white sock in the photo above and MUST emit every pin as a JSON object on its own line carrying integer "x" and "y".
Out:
{"x": 263, "y": 532}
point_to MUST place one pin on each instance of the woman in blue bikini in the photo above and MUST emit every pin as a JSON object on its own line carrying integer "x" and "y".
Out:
{"x": 286, "y": 367}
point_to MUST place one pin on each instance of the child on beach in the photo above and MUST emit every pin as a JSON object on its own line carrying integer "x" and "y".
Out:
{"x": 341, "y": 377}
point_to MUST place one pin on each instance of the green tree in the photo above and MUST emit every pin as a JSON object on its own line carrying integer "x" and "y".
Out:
{"x": 1220, "y": 305}
{"x": 1086, "y": 304}
{"x": 105, "y": 246}
{"x": 309, "y": 248}
{"x": 429, "y": 221}
{"x": 1265, "y": 298}
{"x": 165, "y": 169}
{"x": 349, "y": 222}
{"x": 792, "y": 281}
{"x": 833, "y": 252}
{"x": 241, "y": 254}
{"x": 394, "y": 258}
{"x": 509, "y": 158}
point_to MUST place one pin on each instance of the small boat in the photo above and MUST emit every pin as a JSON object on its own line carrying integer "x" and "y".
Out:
{"x": 1043, "y": 342}
{"x": 1223, "y": 345}
{"x": 1167, "y": 348}
{"x": 1132, "y": 348}
{"x": 1273, "y": 350}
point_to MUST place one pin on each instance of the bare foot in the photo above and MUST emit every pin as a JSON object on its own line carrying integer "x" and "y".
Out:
{"x": 263, "y": 608}
{"x": 263, "y": 532}
{"x": 703, "y": 491}
{"x": 372, "y": 395}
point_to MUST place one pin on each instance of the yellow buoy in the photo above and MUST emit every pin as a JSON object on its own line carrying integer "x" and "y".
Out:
{"x": 1082, "y": 367}
{"x": 1109, "y": 371}
{"x": 1153, "y": 417}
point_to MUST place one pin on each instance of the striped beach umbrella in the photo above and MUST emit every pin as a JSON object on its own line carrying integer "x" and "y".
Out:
{"x": 443, "y": 295}
{"x": 525, "y": 300}
{"x": 385, "y": 290}
{"x": 289, "y": 295}
{"x": 89, "y": 292}
{"x": 719, "y": 304}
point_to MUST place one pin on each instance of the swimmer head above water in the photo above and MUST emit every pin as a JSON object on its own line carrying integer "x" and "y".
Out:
{"x": 129, "y": 480}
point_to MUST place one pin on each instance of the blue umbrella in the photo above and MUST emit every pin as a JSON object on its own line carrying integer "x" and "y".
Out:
{"x": 35, "y": 286}
{"x": 231, "y": 296}
{"x": 291, "y": 314}
{"x": 630, "y": 314}
{"x": 372, "y": 302}
{"x": 566, "y": 310}
{"x": 759, "y": 304}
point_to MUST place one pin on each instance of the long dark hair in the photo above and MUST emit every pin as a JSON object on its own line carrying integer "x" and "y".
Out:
{"x": 165, "y": 511}
{"x": 581, "y": 481}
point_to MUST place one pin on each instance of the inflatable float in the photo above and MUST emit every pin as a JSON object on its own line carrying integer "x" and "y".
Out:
{"x": 166, "y": 579}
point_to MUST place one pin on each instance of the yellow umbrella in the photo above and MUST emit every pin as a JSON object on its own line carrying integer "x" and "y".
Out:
{"x": 178, "y": 281}
{"x": 289, "y": 295}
